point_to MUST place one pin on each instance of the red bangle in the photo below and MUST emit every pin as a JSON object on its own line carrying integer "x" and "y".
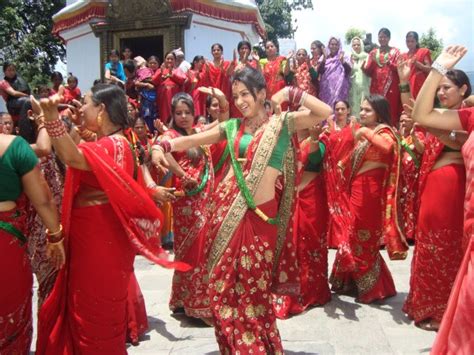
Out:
{"x": 55, "y": 128}
{"x": 166, "y": 145}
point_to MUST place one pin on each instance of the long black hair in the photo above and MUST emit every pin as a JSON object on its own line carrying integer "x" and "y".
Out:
{"x": 115, "y": 103}
{"x": 181, "y": 97}
{"x": 459, "y": 78}
{"x": 381, "y": 107}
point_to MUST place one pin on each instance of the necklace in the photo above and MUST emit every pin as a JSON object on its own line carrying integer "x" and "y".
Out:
{"x": 385, "y": 58}
{"x": 116, "y": 131}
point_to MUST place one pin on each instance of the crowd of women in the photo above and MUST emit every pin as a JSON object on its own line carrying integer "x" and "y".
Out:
{"x": 249, "y": 170}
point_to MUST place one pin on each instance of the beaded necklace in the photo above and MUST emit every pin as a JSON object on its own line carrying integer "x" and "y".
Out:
{"x": 385, "y": 58}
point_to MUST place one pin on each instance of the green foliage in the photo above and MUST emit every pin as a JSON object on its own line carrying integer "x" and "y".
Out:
{"x": 432, "y": 42}
{"x": 277, "y": 15}
{"x": 354, "y": 32}
{"x": 26, "y": 38}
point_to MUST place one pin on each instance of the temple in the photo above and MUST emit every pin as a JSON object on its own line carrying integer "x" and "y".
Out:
{"x": 90, "y": 29}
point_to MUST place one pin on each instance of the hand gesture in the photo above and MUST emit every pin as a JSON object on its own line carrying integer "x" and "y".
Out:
{"x": 163, "y": 194}
{"x": 403, "y": 68}
{"x": 255, "y": 55}
{"x": 211, "y": 91}
{"x": 49, "y": 107}
{"x": 331, "y": 123}
{"x": 160, "y": 126}
{"x": 409, "y": 108}
{"x": 451, "y": 55}
{"x": 360, "y": 133}
{"x": 189, "y": 183}
{"x": 158, "y": 159}
{"x": 235, "y": 56}
{"x": 56, "y": 255}
{"x": 341, "y": 57}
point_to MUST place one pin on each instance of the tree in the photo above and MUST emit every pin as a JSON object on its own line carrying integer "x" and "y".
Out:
{"x": 354, "y": 32}
{"x": 277, "y": 15}
{"x": 429, "y": 40}
{"x": 26, "y": 38}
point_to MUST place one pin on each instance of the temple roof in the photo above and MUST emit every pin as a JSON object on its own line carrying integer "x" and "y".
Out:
{"x": 239, "y": 11}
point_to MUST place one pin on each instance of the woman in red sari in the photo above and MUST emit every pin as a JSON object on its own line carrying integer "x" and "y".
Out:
{"x": 194, "y": 179}
{"x": 438, "y": 249}
{"x": 455, "y": 335}
{"x": 309, "y": 243}
{"x": 372, "y": 174}
{"x": 168, "y": 81}
{"x": 216, "y": 72}
{"x": 301, "y": 73}
{"x": 273, "y": 67}
{"x": 107, "y": 218}
{"x": 19, "y": 176}
{"x": 381, "y": 67}
{"x": 196, "y": 79}
{"x": 420, "y": 62}
{"x": 250, "y": 219}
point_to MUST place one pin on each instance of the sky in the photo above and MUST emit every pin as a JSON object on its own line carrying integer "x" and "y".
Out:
{"x": 453, "y": 21}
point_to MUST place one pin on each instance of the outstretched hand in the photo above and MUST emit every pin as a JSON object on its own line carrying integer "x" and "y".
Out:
{"x": 403, "y": 69}
{"x": 159, "y": 161}
{"x": 451, "y": 55}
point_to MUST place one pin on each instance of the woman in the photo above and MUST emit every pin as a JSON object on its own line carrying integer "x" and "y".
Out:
{"x": 334, "y": 70}
{"x": 301, "y": 73}
{"x": 339, "y": 142}
{"x": 114, "y": 68}
{"x": 420, "y": 62}
{"x": 19, "y": 174}
{"x": 194, "y": 178}
{"x": 216, "y": 72}
{"x": 273, "y": 67}
{"x": 168, "y": 81}
{"x": 359, "y": 81}
{"x": 381, "y": 67}
{"x": 153, "y": 63}
{"x": 372, "y": 174}
{"x": 455, "y": 333}
{"x": 309, "y": 242}
{"x": 442, "y": 181}
{"x": 86, "y": 310}
{"x": 196, "y": 79}
{"x": 15, "y": 91}
{"x": 243, "y": 233}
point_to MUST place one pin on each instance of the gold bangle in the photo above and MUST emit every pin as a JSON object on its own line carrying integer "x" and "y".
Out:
{"x": 59, "y": 231}
{"x": 57, "y": 242}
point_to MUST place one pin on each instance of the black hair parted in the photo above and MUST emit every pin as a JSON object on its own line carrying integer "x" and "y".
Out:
{"x": 115, "y": 103}
{"x": 252, "y": 78}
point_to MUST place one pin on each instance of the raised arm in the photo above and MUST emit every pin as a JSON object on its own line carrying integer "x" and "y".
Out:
{"x": 424, "y": 112}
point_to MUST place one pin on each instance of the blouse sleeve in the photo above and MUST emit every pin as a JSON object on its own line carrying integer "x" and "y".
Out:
{"x": 466, "y": 115}
{"x": 24, "y": 157}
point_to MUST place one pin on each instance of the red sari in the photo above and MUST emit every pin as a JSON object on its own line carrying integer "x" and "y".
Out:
{"x": 373, "y": 202}
{"x": 310, "y": 247}
{"x": 16, "y": 278}
{"x": 167, "y": 83}
{"x": 384, "y": 75}
{"x": 339, "y": 145}
{"x": 243, "y": 249}
{"x": 86, "y": 311}
{"x": 191, "y": 215}
{"x": 273, "y": 74}
{"x": 455, "y": 333}
{"x": 438, "y": 248}
{"x": 217, "y": 77}
{"x": 195, "y": 80}
{"x": 303, "y": 80}
{"x": 417, "y": 76}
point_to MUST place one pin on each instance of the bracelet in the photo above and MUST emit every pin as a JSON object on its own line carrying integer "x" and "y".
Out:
{"x": 404, "y": 88}
{"x": 40, "y": 127}
{"x": 52, "y": 234}
{"x": 164, "y": 145}
{"x": 56, "y": 241}
{"x": 55, "y": 128}
{"x": 439, "y": 68}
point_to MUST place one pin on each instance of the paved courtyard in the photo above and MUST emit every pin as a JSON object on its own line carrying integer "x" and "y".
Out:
{"x": 340, "y": 327}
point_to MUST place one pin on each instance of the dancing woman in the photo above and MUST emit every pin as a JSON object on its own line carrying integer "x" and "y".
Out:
{"x": 372, "y": 173}
{"x": 250, "y": 218}
{"x": 455, "y": 333}
{"x": 107, "y": 218}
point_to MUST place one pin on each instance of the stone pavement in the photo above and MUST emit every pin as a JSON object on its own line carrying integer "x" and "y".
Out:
{"x": 340, "y": 327}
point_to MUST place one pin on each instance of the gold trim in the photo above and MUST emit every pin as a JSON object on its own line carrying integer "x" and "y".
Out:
{"x": 239, "y": 207}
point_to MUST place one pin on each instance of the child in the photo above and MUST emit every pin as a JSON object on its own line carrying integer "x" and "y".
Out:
{"x": 147, "y": 92}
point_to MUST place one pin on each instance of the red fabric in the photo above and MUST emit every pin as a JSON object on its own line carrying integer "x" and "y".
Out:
{"x": 438, "y": 248}
{"x": 70, "y": 95}
{"x": 359, "y": 260}
{"x": 137, "y": 324}
{"x": 244, "y": 320}
{"x": 4, "y": 85}
{"x": 467, "y": 120}
{"x": 302, "y": 79}
{"x": 417, "y": 77}
{"x": 86, "y": 310}
{"x": 455, "y": 335}
{"x": 166, "y": 88}
{"x": 466, "y": 115}
{"x": 217, "y": 77}
{"x": 16, "y": 322}
{"x": 195, "y": 81}
{"x": 339, "y": 145}
{"x": 385, "y": 80}
{"x": 191, "y": 216}
{"x": 273, "y": 76}
{"x": 217, "y": 152}
{"x": 96, "y": 10}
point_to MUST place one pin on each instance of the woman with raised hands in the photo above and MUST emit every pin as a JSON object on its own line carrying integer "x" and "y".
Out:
{"x": 455, "y": 332}
{"x": 250, "y": 218}
{"x": 108, "y": 218}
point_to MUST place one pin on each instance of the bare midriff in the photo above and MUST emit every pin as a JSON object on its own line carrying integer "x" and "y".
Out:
{"x": 6, "y": 206}
{"x": 371, "y": 165}
{"x": 448, "y": 158}
{"x": 89, "y": 196}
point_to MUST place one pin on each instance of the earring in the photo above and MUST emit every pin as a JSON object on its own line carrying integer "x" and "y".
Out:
{"x": 100, "y": 119}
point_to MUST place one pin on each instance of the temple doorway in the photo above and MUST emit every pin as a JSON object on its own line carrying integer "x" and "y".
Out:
{"x": 144, "y": 46}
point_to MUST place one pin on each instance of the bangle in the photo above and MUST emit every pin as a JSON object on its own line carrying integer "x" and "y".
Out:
{"x": 55, "y": 128}
{"x": 60, "y": 240}
{"x": 52, "y": 234}
{"x": 164, "y": 145}
{"x": 404, "y": 88}
{"x": 303, "y": 98}
{"x": 40, "y": 127}
{"x": 439, "y": 68}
